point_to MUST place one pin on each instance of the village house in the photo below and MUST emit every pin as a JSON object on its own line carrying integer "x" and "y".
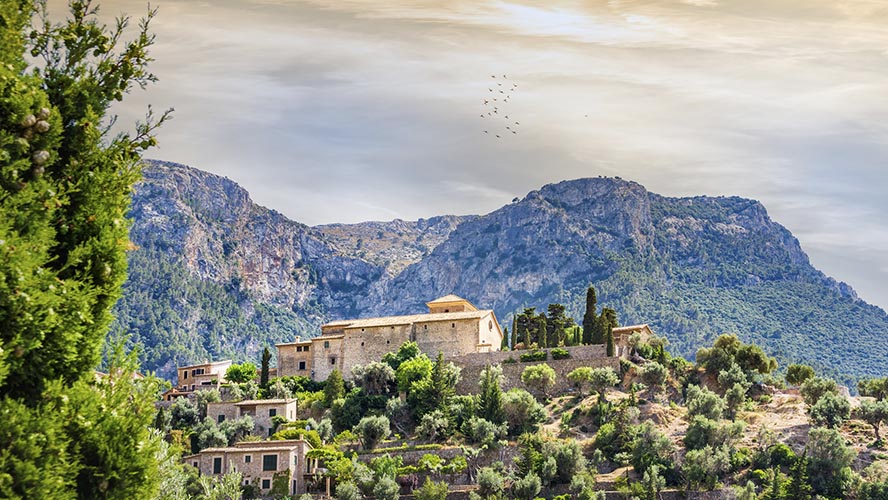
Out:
{"x": 453, "y": 326}
{"x": 262, "y": 463}
{"x": 192, "y": 378}
{"x": 622, "y": 334}
{"x": 262, "y": 411}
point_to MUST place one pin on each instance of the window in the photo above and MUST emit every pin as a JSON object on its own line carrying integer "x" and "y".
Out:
{"x": 388, "y": 341}
{"x": 425, "y": 327}
{"x": 185, "y": 375}
{"x": 302, "y": 365}
{"x": 266, "y": 484}
{"x": 447, "y": 310}
{"x": 269, "y": 462}
{"x": 272, "y": 412}
{"x": 248, "y": 459}
{"x": 452, "y": 325}
{"x": 333, "y": 360}
{"x": 306, "y": 348}
{"x": 217, "y": 465}
{"x": 490, "y": 325}
{"x": 220, "y": 419}
{"x": 362, "y": 344}
{"x": 326, "y": 344}
{"x": 194, "y": 464}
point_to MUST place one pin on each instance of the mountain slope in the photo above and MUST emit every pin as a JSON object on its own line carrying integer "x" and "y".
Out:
{"x": 691, "y": 267}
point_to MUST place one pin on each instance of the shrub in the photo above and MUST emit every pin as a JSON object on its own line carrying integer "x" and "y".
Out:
{"x": 654, "y": 374}
{"x": 241, "y": 374}
{"x": 831, "y": 410}
{"x": 527, "y": 487}
{"x": 483, "y": 432}
{"x": 433, "y": 426}
{"x": 559, "y": 353}
{"x": 535, "y": 355}
{"x": 431, "y": 490}
{"x": 347, "y": 490}
{"x": 813, "y": 389}
{"x": 372, "y": 430}
{"x": 386, "y": 488}
{"x": 539, "y": 378}
{"x": 702, "y": 401}
{"x": 490, "y": 482}
{"x": 798, "y": 374}
{"x": 522, "y": 412}
{"x": 829, "y": 461}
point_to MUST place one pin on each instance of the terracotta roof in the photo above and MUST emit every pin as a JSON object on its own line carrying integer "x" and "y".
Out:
{"x": 447, "y": 299}
{"x": 631, "y": 328}
{"x": 414, "y": 318}
{"x": 264, "y": 402}
{"x": 328, "y": 337}
{"x": 211, "y": 363}
{"x": 254, "y": 446}
{"x": 298, "y": 342}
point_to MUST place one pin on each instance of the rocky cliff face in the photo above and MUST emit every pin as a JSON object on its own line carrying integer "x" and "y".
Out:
{"x": 690, "y": 267}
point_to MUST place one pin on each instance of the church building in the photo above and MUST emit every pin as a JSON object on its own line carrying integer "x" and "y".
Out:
{"x": 453, "y": 326}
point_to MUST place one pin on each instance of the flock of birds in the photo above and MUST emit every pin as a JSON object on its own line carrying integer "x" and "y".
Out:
{"x": 495, "y": 109}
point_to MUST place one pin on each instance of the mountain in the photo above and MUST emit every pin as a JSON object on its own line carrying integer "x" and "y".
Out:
{"x": 215, "y": 275}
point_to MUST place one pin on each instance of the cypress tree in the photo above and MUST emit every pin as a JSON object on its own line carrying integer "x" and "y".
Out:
{"x": 504, "y": 345}
{"x": 609, "y": 341}
{"x": 541, "y": 330}
{"x": 65, "y": 185}
{"x": 515, "y": 338}
{"x": 590, "y": 318}
{"x": 334, "y": 388}
{"x": 263, "y": 374}
{"x": 490, "y": 401}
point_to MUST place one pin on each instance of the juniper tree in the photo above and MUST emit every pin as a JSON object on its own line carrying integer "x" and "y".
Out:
{"x": 265, "y": 367}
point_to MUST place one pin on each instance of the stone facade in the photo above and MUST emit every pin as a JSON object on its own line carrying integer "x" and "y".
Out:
{"x": 260, "y": 462}
{"x": 261, "y": 410}
{"x": 472, "y": 364}
{"x": 196, "y": 377}
{"x": 453, "y": 327}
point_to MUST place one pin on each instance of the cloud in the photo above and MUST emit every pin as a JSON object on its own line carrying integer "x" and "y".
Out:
{"x": 355, "y": 110}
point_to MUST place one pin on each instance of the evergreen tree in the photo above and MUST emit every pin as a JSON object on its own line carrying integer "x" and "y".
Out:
{"x": 609, "y": 341}
{"x": 515, "y": 338}
{"x": 334, "y": 388}
{"x": 590, "y": 318}
{"x": 524, "y": 326}
{"x": 64, "y": 193}
{"x": 799, "y": 486}
{"x": 490, "y": 403}
{"x": 263, "y": 374}
{"x": 540, "y": 327}
{"x": 504, "y": 345}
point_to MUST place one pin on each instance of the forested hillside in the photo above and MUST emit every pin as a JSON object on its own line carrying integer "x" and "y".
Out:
{"x": 227, "y": 276}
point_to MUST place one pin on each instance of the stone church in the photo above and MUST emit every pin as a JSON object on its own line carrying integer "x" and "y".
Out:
{"x": 453, "y": 326}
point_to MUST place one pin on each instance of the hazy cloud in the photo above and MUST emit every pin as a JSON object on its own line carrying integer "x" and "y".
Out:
{"x": 355, "y": 110}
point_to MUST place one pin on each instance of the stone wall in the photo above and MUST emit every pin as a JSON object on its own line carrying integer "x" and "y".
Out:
{"x": 472, "y": 364}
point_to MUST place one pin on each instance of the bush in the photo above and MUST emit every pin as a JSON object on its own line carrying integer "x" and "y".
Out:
{"x": 829, "y": 461}
{"x": 241, "y": 374}
{"x": 483, "y": 432}
{"x": 490, "y": 482}
{"x": 559, "y": 353}
{"x": 539, "y": 378}
{"x": 386, "y": 488}
{"x": 813, "y": 389}
{"x": 522, "y": 412}
{"x": 702, "y": 401}
{"x": 535, "y": 355}
{"x": 372, "y": 430}
{"x": 831, "y": 410}
{"x": 654, "y": 374}
{"x": 433, "y": 426}
{"x": 527, "y": 487}
{"x": 798, "y": 374}
{"x": 431, "y": 490}
{"x": 347, "y": 490}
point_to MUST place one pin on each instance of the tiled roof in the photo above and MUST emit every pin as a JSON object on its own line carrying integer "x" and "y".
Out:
{"x": 264, "y": 402}
{"x": 298, "y": 342}
{"x": 631, "y": 328}
{"x": 447, "y": 299}
{"x": 414, "y": 318}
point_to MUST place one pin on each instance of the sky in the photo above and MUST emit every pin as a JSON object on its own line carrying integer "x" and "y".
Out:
{"x": 361, "y": 110}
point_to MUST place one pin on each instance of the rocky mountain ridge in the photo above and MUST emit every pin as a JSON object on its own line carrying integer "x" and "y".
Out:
{"x": 690, "y": 267}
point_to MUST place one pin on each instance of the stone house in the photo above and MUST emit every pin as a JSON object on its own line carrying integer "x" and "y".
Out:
{"x": 453, "y": 326}
{"x": 622, "y": 334}
{"x": 196, "y": 377}
{"x": 261, "y": 410}
{"x": 259, "y": 462}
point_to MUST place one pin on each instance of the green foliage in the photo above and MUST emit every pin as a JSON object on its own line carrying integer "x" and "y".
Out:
{"x": 654, "y": 374}
{"x": 372, "y": 430}
{"x": 312, "y": 436}
{"x": 651, "y": 448}
{"x": 490, "y": 400}
{"x": 241, "y": 374}
{"x": 484, "y": 433}
{"x": 522, "y": 412}
{"x": 265, "y": 364}
{"x": 559, "y": 353}
{"x": 590, "y": 318}
{"x": 490, "y": 482}
{"x": 704, "y": 468}
{"x": 298, "y": 383}
{"x": 702, "y": 401}
{"x": 413, "y": 370}
{"x": 347, "y": 490}
{"x": 535, "y": 355}
{"x": 527, "y": 487}
{"x": 829, "y": 461}
{"x": 406, "y": 351}
{"x": 703, "y": 432}
{"x": 431, "y": 393}
{"x": 797, "y": 374}
{"x": 183, "y": 414}
{"x": 431, "y": 490}
{"x": 433, "y": 426}
{"x": 874, "y": 413}
{"x": 831, "y": 410}
{"x": 375, "y": 378}
{"x": 652, "y": 482}
{"x": 815, "y": 388}
{"x": 602, "y": 378}
{"x": 728, "y": 350}
{"x": 539, "y": 378}
{"x": 874, "y": 387}
{"x": 334, "y": 388}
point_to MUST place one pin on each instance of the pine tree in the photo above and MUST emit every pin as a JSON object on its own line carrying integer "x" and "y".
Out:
{"x": 799, "y": 486}
{"x": 590, "y": 318}
{"x": 65, "y": 187}
{"x": 263, "y": 374}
